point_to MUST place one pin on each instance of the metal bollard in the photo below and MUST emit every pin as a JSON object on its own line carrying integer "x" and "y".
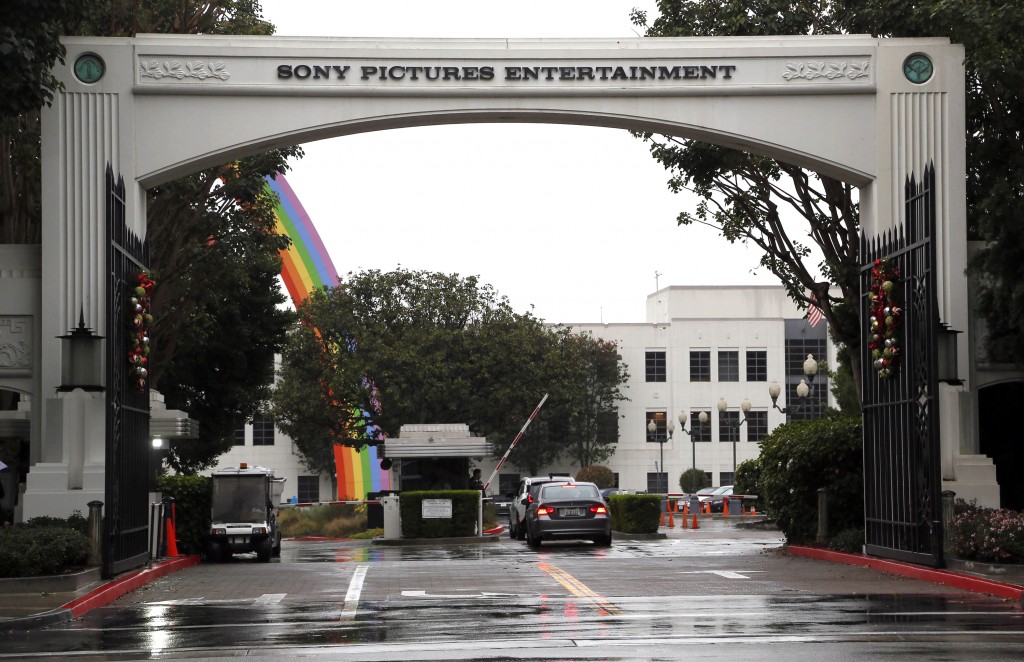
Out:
{"x": 822, "y": 515}
{"x": 95, "y": 557}
{"x": 948, "y": 513}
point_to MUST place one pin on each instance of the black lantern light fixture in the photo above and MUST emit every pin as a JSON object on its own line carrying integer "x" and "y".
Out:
{"x": 81, "y": 359}
{"x": 702, "y": 420}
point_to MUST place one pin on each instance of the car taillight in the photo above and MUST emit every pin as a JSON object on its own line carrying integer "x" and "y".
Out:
{"x": 545, "y": 510}
{"x": 529, "y": 498}
{"x": 600, "y": 510}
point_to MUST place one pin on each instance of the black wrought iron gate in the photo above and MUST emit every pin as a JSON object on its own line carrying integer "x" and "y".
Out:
{"x": 126, "y": 540}
{"x": 902, "y": 473}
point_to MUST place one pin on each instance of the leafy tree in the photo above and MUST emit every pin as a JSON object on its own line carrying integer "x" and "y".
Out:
{"x": 598, "y": 474}
{"x": 404, "y": 347}
{"x": 212, "y": 238}
{"x": 744, "y": 195}
{"x": 692, "y": 480}
{"x": 991, "y": 33}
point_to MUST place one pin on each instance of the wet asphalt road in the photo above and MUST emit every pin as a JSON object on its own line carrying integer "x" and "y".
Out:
{"x": 716, "y": 595}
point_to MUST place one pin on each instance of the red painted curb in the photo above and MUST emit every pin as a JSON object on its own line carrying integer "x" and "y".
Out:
{"x": 946, "y": 577}
{"x": 115, "y": 588}
{"x": 496, "y": 531}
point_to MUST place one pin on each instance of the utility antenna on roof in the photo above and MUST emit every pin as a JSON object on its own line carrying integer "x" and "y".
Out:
{"x": 656, "y": 274}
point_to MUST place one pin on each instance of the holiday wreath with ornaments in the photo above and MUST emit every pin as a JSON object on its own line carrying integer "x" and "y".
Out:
{"x": 140, "y": 321}
{"x": 884, "y": 322}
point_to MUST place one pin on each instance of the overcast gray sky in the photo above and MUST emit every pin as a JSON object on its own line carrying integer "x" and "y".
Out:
{"x": 572, "y": 220}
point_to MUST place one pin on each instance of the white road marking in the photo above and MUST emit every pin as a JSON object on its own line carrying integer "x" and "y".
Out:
{"x": 728, "y": 574}
{"x": 483, "y": 594}
{"x": 270, "y": 598}
{"x": 355, "y": 588}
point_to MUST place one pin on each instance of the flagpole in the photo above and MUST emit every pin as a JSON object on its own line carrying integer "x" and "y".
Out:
{"x": 505, "y": 456}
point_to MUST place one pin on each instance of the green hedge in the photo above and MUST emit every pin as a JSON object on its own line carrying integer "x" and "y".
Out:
{"x": 461, "y": 524}
{"x": 635, "y": 513}
{"x": 799, "y": 458}
{"x": 39, "y": 550}
{"x": 192, "y": 500}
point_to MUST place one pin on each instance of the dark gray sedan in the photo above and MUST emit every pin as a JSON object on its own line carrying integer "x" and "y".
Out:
{"x": 568, "y": 510}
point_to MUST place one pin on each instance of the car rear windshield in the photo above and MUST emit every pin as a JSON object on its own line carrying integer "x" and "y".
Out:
{"x": 568, "y": 492}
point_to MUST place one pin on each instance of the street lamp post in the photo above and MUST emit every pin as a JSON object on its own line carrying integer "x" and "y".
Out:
{"x": 702, "y": 419}
{"x": 803, "y": 389}
{"x": 723, "y": 406}
{"x": 652, "y": 430}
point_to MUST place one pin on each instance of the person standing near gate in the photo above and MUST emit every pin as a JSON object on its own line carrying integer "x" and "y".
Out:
{"x": 475, "y": 483}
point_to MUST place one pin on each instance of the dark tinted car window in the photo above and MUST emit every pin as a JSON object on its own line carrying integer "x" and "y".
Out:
{"x": 568, "y": 492}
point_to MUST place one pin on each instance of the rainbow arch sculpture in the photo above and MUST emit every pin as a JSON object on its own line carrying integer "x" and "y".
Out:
{"x": 305, "y": 266}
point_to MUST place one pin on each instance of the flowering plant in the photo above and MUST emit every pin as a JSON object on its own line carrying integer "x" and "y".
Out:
{"x": 987, "y": 534}
{"x": 140, "y": 320}
{"x": 886, "y": 315}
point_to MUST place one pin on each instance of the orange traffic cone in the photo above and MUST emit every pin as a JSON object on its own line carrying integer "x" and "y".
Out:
{"x": 753, "y": 510}
{"x": 694, "y": 525}
{"x": 671, "y": 514}
{"x": 725, "y": 506}
{"x": 686, "y": 509}
{"x": 172, "y": 543}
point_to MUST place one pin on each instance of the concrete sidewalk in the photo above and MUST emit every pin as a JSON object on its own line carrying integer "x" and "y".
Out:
{"x": 30, "y": 603}
{"x": 33, "y": 602}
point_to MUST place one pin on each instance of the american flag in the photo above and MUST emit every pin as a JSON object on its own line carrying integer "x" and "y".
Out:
{"x": 813, "y": 312}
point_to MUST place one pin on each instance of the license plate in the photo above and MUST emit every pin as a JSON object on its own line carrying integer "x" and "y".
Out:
{"x": 571, "y": 512}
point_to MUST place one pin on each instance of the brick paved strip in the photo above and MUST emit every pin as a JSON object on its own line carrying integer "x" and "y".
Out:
{"x": 946, "y": 577}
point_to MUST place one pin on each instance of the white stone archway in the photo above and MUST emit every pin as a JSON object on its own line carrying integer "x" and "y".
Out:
{"x": 848, "y": 106}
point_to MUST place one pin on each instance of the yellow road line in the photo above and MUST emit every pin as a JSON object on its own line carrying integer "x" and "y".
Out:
{"x": 580, "y": 590}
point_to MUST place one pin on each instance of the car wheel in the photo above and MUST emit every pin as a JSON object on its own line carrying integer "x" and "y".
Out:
{"x": 511, "y": 529}
{"x": 603, "y": 541}
{"x": 533, "y": 542}
{"x": 264, "y": 551}
{"x": 521, "y": 531}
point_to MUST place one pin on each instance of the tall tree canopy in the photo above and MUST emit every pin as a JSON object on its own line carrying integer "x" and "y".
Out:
{"x": 748, "y": 197}
{"x": 742, "y": 195}
{"x": 213, "y": 243}
{"x": 403, "y": 347}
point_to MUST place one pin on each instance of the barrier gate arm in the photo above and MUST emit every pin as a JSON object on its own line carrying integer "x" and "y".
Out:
{"x": 518, "y": 436}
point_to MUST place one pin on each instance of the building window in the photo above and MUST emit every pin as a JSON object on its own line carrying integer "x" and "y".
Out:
{"x": 262, "y": 431}
{"x": 239, "y": 438}
{"x": 309, "y": 489}
{"x": 655, "y": 365}
{"x": 699, "y": 433}
{"x": 728, "y": 366}
{"x": 700, "y": 366}
{"x": 757, "y": 365}
{"x": 726, "y": 478}
{"x": 508, "y": 483}
{"x": 757, "y": 426}
{"x": 615, "y": 479}
{"x": 728, "y": 426}
{"x": 657, "y": 483}
{"x": 660, "y": 424}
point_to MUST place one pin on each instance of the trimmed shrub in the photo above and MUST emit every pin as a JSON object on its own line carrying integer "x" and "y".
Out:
{"x": 598, "y": 474}
{"x": 748, "y": 473}
{"x": 635, "y": 513}
{"x": 192, "y": 501}
{"x": 848, "y": 540}
{"x": 461, "y": 524}
{"x": 76, "y": 522}
{"x": 38, "y": 550}
{"x": 693, "y": 480}
{"x": 797, "y": 459}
